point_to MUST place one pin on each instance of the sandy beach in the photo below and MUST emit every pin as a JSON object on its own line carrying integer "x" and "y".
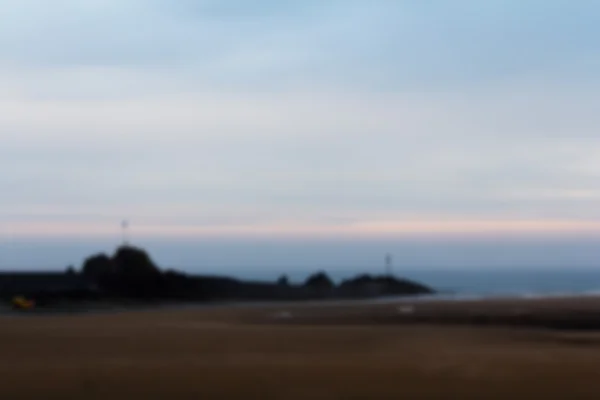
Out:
{"x": 370, "y": 351}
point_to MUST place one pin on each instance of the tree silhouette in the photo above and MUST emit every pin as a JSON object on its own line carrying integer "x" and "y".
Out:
{"x": 319, "y": 280}
{"x": 97, "y": 267}
{"x": 283, "y": 281}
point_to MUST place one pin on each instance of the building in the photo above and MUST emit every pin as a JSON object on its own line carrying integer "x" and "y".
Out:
{"x": 43, "y": 284}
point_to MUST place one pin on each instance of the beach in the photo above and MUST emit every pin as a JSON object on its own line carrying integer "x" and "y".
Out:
{"x": 300, "y": 351}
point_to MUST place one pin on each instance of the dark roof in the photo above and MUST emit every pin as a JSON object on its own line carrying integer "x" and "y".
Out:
{"x": 28, "y": 282}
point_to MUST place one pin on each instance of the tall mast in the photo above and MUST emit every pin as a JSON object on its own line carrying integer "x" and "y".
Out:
{"x": 388, "y": 264}
{"x": 125, "y": 232}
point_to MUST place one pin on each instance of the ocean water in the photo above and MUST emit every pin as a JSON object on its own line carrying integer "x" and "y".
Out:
{"x": 512, "y": 282}
{"x": 468, "y": 283}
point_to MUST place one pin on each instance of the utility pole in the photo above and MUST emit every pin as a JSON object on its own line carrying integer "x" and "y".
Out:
{"x": 125, "y": 232}
{"x": 388, "y": 264}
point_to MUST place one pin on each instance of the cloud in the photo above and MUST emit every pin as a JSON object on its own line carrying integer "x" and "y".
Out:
{"x": 379, "y": 44}
{"x": 308, "y": 154}
{"x": 337, "y": 115}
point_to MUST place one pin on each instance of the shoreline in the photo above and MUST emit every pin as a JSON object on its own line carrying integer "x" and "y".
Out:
{"x": 568, "y": 312}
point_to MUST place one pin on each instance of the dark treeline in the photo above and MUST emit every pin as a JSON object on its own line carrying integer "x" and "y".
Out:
{"x": 131, "y": 274}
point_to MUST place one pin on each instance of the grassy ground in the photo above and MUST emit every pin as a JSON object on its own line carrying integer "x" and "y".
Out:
{"x": 222, "y": 354}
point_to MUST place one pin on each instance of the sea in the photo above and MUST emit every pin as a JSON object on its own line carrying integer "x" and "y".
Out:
{"x": 462, "y": 268}
{"x": 471, "y": 283}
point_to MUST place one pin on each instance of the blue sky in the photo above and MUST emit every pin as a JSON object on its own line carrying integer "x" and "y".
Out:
{"x": 313, "y": 119}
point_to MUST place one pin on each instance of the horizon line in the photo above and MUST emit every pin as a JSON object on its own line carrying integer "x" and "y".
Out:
{"x": 485, "y": 227}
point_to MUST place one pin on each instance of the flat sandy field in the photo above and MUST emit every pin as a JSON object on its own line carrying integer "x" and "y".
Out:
{"x": 298, "y": 352}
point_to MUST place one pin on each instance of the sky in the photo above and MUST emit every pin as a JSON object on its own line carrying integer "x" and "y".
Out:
{"x": 284, "y": 122}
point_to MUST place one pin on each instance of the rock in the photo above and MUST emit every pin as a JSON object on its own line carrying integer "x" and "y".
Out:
{"x": 283, "y": 315}
{"x": 373, "y": 286}
{"x": 406, "y": 310}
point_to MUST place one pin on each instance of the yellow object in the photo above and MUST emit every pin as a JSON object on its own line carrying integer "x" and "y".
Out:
{"x": 22, "y": 303}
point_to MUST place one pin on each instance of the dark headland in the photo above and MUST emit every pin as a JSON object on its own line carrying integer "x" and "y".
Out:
{"x": 131, "y": 275}
{"x": 129, "y": 278}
